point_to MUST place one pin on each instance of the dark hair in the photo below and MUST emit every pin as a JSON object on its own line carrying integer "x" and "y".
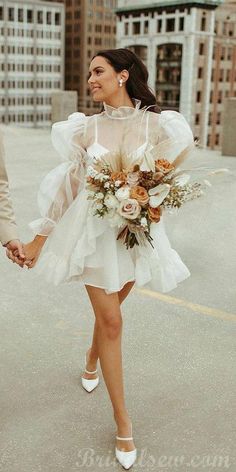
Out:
{"x": 136, "y": 85}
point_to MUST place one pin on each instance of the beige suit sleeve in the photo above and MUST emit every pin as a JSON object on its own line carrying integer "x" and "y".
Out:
{"x": 8, "y": 229}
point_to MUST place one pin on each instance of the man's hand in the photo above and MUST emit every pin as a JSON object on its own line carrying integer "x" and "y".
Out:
{"x": 15, "y": 252}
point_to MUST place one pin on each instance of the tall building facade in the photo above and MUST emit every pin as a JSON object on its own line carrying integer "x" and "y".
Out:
{"x": 31, "y": 60}
{"x": 90, "y": 26}
{"x": 223, "y": 76}
{"x": 181, "y": 42}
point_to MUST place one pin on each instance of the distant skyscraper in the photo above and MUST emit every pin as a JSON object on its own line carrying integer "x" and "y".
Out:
{"x": 31, "y": 60}
{"x": 90, "y": 26}
{"x": 181, "y": 42}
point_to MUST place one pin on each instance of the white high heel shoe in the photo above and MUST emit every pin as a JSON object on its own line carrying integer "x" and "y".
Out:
{"x": 126, "y": 458}
{"x": 89, "y": 384}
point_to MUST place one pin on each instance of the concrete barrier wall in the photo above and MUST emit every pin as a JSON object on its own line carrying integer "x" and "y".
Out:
{"x": 63, "y": 104}
{"x": 229, "y": 128}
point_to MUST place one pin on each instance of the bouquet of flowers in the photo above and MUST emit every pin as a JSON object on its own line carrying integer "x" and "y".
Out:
{"x": 133, "y": 199}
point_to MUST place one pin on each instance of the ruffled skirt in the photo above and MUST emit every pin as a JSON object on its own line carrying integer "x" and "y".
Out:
{"x": 84, "y": 248}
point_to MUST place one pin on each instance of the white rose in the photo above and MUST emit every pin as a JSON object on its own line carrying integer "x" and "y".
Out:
{"x": 133, "y": 178}
{"x": 122, "y": 193}
{"x": 111, "y": 201}
{"x": 129, "y": 209}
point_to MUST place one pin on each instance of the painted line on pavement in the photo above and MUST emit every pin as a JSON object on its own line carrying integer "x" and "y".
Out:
{"x": 205, "y": 310}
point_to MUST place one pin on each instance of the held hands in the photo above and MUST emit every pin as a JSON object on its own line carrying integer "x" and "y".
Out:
{"x": 15, "y": 252}
{"x": 33, "y": 249}
{"x": 29, "y": 254}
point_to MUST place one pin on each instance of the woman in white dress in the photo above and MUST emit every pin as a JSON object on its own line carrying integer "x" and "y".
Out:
{"x": 72, "y": 244}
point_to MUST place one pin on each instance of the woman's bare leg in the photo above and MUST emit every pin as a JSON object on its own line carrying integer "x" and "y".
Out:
{"x": 92, "y": 353}
{"x": 109, "y": 332}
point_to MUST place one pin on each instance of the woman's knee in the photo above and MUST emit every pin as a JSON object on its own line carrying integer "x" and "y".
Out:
{"x": 107, "y": 311}
{"x": 110, "y": 324}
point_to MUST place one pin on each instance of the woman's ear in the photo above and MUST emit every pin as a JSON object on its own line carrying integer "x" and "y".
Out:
{"x": 124, "y": 75}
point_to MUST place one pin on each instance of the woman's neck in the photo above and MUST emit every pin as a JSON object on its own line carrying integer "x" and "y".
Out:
{"x": 120, "y": 101}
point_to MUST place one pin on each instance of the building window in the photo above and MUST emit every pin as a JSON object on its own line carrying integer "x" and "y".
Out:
{"x": 222, "y": 56}
{"x": 20, "y": 15}
{"x": 49, "y": 18}
{"x": 218, "y": 118}
{"x": 209, "y": 119}
{"x": 229, "y": 54}
{"x": 136, "y": 27}
{"x": 181, "y": 23}
{"x": 231, "y": 29}
{"x": 201, "y": 49}
{"x": 200, "y": 73}
{"x": 57, "y": 18}
{"x": 40, "y": 17}
{"x": 126, "y": 29}
{"x": 11, "y": 14}
{"x": 146, "y": 24}
{"x": 219, "y": 96}
{"x": 198, "y": 96}
{"x": 29, "y": 16}
{"x": 217, "y": 139}
{"x": 197, "y": 118}
{"x": 1, "y": 13}
{"x": 159, "y": 26}
{"x": 203, "y": 24}
{"x": 170, "y": 25}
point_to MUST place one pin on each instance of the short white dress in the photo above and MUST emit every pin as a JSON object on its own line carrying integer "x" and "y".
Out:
{"x": 83, "y": 247}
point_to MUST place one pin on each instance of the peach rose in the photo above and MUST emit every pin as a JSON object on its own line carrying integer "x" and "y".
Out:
{"x": 154, "y": 214}
{"x": 140, "y": 194}
{"x": 118, "y": 176}
{"x": 163, "y": 165}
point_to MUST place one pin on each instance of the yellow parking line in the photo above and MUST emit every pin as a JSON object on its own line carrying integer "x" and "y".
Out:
{"x": 192, "y": 306}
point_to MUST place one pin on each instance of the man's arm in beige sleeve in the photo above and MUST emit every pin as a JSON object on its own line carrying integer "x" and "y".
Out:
{"x": 8, "y": 229}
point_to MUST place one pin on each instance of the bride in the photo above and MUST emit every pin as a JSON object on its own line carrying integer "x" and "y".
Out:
{"x": 71, "y": 244}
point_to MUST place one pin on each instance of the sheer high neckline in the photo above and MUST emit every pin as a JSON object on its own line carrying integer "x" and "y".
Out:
{"x": 123, "y": 111}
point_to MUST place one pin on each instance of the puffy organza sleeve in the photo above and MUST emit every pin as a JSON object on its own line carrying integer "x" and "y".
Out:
{"x": 174, "y": 137}
{"x": 62, "y": 184}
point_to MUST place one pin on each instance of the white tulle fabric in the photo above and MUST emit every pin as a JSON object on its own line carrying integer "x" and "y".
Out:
{"x": 83, "y": 247}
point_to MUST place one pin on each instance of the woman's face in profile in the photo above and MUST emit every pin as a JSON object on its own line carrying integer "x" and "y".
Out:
{"x": 103, "y": 79}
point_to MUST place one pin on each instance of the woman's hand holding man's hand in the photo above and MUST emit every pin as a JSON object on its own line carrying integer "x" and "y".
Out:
{"x": 31, "y": 252}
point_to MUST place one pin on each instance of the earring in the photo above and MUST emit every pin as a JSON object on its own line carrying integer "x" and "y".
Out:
{"x": 120, "y": 82}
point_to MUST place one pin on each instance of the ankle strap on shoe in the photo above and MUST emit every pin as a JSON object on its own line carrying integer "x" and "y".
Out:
{"x": 89, "y": 372}
{"x": 124, "y": 439}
